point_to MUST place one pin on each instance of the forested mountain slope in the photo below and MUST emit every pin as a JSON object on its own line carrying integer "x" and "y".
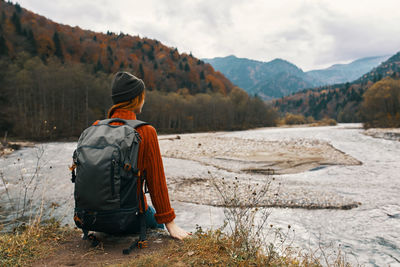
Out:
{"x": 55, "y": 81}
{"x": 268, "y": 80}
{"x": 342, "y": 73}
{"x": 162, "y": 68}
{"x": 279, "y": 77}
{"x": 340, "y": 101}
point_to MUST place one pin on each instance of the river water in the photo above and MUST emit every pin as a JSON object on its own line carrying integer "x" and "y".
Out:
{"x": 369, "y": 234}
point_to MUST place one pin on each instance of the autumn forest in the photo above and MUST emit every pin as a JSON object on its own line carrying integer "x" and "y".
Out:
{"x": 55, "y": 81}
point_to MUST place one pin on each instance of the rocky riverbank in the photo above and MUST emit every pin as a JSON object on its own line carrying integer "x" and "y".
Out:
{"x": 7, "y": 148}
{"x": 384, "y": 133}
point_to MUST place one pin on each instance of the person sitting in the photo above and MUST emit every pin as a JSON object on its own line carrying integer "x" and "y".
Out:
{"x": 128, "y": 96}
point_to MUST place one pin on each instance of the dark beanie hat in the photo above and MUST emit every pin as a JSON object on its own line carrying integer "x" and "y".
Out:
{"x": 125, "y": 86}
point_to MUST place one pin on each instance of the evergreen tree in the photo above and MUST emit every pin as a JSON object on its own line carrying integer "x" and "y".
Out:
{"x": 3, "y": 46}
{"x": 31, "y": 39}
{"x": 150, "y": 54}
{"x": 18, "y": 8}
{"x": 109, "y": 50}
{"x": 58, "y": 53}
{"x": 187, "y": 68}
{"x": 3, "y": 17}
{"x": 17, "y": 23}
{"x": 99, "y": 66}
{"x": 141, "y": 71}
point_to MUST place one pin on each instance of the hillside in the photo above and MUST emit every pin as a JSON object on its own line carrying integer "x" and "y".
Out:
{"x": 162, "y": 68}
{"x": 55, "y": 81}
{"x": 339, "y": 101}
{"x": 268, "y": 80}
{"x": 342, "y": 73}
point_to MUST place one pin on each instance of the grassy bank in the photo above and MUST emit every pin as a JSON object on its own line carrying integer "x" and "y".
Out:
{"x": 51, "y": 245}
{"x": 28, "y": 243}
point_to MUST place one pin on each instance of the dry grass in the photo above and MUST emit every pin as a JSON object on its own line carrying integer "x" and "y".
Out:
{"x": 211, "y": 248}
{"x": 214, "y": 248}
{"x": 30, "y": 242}
{"x": 244, "y": 240}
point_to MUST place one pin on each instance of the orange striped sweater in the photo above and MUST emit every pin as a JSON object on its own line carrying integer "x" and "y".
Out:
{"x": 149, "y": 159}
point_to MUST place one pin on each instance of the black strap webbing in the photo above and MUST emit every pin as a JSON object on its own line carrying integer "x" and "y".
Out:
{"x": 141, "y": 242}
{"x": 142, "y": 214}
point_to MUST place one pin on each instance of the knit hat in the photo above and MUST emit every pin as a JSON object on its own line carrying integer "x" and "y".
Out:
{"x": 125, "y": 86}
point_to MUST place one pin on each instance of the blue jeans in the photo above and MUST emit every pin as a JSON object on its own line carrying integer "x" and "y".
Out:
{"x": 151, "y": 220}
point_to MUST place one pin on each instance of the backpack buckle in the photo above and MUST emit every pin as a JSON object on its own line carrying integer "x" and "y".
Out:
{"x": 127, "y": 167}
{"x": 78, "y": 221}
{"x": 143, "y": 244}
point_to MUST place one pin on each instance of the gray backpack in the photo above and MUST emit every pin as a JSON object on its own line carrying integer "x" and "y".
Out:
{"x": 106, "y": 179}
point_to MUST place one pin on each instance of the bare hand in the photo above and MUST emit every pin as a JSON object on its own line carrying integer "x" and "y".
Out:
{"x": 175, "y": 231}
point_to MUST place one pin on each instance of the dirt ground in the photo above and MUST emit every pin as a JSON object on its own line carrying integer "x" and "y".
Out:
{"x": 73, "y": 251}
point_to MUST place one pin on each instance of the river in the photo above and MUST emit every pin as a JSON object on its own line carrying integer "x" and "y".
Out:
{"x": 368, "y": 234}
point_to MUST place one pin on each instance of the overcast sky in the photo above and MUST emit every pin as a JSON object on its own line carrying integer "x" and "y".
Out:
{"x": 309, "y": 33}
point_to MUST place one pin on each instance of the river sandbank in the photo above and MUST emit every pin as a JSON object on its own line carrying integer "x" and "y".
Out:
{"x": 248, "y": 164}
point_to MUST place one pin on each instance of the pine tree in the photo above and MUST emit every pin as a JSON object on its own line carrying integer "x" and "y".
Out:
{"x": 3, "y": 17}
{"x": 3, "y": 46}
{"x": 99, "y": 66}
{"x": 187, "y": 68}
{"x": 150, "y": 54}
{"x": 17, "y": 23}
{"x": 18, "y": 8}
{"x": 58, "y": 53}
{"x": 141, "y": 71}
{"x": 31, "y": 39}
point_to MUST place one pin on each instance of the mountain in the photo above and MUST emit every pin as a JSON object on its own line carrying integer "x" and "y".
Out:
{"x": 342, "y": 73}
{"x": 279, "y": 77}
{"x": 162, "y": 68}
{"x": 268, "y": 80}
{"x": 339, "y": 101}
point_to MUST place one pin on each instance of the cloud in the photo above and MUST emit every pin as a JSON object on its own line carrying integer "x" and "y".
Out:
{"x": 309, "y": 33}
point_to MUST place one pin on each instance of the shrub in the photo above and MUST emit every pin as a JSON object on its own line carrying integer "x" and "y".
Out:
{"x": 291, "y": 119}
{"x": 381, "y": 104}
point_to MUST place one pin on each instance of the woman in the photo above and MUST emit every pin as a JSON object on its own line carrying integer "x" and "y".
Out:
{"x": 128, "y": 94}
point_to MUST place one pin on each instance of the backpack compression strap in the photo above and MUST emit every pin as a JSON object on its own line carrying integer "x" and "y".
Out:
{"x": 141, "y": 242}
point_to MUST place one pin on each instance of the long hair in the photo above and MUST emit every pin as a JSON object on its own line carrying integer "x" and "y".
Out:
{"x": 129, "y": 105}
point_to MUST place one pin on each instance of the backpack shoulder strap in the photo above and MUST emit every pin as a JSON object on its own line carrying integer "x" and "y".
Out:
{"x": 108, "y": 121}
{"x": 135, "y": 123}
